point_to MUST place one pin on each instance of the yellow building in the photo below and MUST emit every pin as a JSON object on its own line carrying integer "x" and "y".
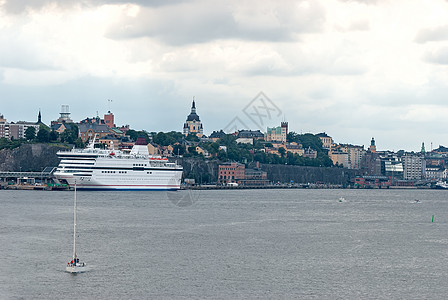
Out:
{"x": 327, "y": 140}
{"x": 355, "y": 154}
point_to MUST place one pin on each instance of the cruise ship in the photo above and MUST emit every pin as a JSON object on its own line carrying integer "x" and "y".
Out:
{"x": 99, "y": 169}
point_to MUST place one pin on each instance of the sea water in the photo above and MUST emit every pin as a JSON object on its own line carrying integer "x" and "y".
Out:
{"x": 226, "y": 244}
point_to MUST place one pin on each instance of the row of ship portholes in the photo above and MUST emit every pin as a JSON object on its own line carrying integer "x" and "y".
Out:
{"x": 119, "y": 172}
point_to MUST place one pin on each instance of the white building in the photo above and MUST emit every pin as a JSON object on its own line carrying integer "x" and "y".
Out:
{"x": 436, "y": 173}
{"x": 413, "y": 167}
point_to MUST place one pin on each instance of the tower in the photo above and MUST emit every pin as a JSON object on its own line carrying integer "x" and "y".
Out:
{"x": 109, "y": 119}
{"x": 372, "y": 147}
{"x": 39, "y": 118}
{"x": 284, "y": 131}
{"x": 65, "y": 115}
{"x": 193, "y": 124}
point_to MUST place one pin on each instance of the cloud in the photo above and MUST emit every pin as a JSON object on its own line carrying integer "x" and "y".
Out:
{"x": 432, "y": 34}
{"x": 204, "y": 21}
{"x": 366, "y": 2}
{"x": 23, "y": 51}
{"x": 357, "y": 25}
{"x": 439, "y": 56}
{"x": 22, "y": 6}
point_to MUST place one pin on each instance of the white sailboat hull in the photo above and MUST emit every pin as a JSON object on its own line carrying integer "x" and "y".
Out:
{"x": 76, "y": 269}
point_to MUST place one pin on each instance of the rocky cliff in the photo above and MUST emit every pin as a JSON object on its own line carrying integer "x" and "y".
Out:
{"x": 30, "y": 157}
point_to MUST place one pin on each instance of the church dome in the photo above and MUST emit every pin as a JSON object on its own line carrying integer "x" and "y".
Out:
{"x": 193, "y": 117}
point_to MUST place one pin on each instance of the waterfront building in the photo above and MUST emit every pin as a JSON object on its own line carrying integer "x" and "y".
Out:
{"x": 441, "y": 150}
{"x": 110, "y": 140}
{"x": 230, "y": 172}
{"x": 413, "y": 166}
{"x": 277, "y": 134}
{"x": 310, "y": 153}
{"x": 254, "y": 177}
{"x": 4, "y": 127}
{"x": 193, "y": 124}
{"x": 251, "y": 134}
{"x": 339, "y": 157}
{"x": 88, "y": 131}
{"x": 16, "y": 130}
{"x": 294, "y": 148}
{"x": 371, "y": 164}
{"x": 326, "y": 140}
{"x": 355, "y": 154}
{"x": 154, "y": 149}
{"x": 200, "y": 150}
{"x": 216, "y": 135}
{"x": 245, "y": 141}
{"x": 437, "y": 173}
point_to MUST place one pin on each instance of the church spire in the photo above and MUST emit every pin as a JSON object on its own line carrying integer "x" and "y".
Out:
{"x": 39, "y": 118}
{"x": 193, "y": 107}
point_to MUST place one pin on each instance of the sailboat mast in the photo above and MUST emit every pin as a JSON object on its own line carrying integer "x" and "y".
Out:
{"x": 74, "y": 228}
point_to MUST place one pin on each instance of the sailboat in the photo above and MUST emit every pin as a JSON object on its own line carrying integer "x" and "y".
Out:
{"x": 74, "y": 266}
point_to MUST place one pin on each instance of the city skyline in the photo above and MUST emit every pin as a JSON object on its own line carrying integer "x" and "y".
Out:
{"x": 352, "y": 69}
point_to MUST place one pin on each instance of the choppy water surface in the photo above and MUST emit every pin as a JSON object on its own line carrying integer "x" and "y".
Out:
{"x": 226, "y": 244}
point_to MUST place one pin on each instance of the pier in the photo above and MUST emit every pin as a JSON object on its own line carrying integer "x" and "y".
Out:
{"x": 27, "y": 180}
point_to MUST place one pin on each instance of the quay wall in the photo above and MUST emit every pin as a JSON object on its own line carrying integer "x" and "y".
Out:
{"x": 300, "y": 174}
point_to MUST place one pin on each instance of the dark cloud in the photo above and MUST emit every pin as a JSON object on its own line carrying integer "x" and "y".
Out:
{"x": 432, "y": 34}
{"x": 199, "y": 22}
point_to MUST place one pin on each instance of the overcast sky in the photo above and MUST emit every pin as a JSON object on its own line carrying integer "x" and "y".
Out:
{"x": 354, "y": 69}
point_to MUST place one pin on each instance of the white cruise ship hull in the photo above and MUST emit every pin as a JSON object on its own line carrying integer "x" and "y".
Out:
{"x": 165, "y": 180}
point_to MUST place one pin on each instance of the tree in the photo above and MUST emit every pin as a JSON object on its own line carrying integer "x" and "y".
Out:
{"x": 54, "y": 135}
{"x": 179, "y": 149}
{"x": 227, "y": 140}
{"x": 70, "y": 134}
{"x": 192, "y": 150}
{"x": 192, "y": 137}
{"x": 43, "y": 136}
{"x": 30, "y": 133}
{"x": 79, "y": 143}
{"x": 282, "y": 151}
{"x": 134, "y": 135}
